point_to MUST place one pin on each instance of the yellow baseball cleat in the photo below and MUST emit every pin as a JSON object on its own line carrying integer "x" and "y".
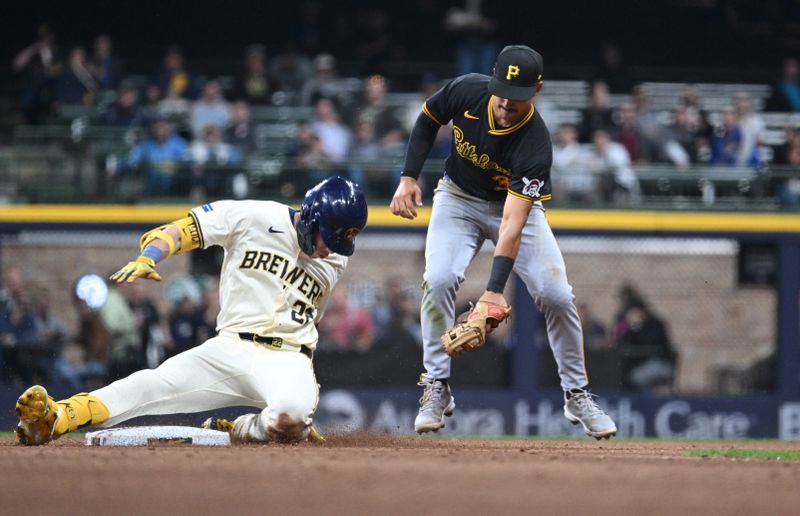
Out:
{"x": 42, "y": 419}
{"x": 37, "y": 417}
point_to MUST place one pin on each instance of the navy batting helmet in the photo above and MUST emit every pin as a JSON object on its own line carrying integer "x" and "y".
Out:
{"x": 337, "y": 209}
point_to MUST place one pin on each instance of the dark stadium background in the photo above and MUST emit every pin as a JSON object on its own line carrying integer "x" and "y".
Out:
{"x": 692, "y": 39}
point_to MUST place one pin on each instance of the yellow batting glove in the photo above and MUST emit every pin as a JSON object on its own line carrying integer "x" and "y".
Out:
{"x": 142, "y": 267}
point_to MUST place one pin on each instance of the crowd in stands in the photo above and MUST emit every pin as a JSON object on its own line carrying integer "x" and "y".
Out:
{"x": 115, "y": 334}
{"x": 194, "y": 133}
{"x": 370, "y": 334}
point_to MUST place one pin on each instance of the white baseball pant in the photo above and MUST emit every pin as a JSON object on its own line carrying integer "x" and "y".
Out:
{"x": 224, "y": 371}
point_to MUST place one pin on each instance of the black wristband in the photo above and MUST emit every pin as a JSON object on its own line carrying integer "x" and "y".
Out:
{"x": 501, "y": 269}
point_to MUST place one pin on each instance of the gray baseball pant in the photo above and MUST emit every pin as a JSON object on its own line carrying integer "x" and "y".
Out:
{"x": 459, "y": 225}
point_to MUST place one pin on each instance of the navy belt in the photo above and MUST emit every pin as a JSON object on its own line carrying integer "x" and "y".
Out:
{"x": 274, "y": 342}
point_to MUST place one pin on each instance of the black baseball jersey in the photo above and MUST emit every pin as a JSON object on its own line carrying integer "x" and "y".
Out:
{"x": 487, "y": 161}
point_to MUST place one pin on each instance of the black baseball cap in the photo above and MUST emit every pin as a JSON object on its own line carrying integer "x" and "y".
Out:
{"x": 517, "y": 70}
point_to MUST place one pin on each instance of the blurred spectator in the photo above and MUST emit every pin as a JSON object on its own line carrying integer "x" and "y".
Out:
{"x": 253, "y": 84}
{"x": 789, "y": 154}
{"x": 49, "y": 326}
{"x": 290, "y": 70}
{"x": 598, "y": 114}
{"x": 193, "y": 323}
{"x": 333, "y": 134}
{"x": 181, "y": 327}
{"x": 240, "y": 132}
{"x": 93, "y": 340}
{"x": 125, "y": 112}
{"x": 210, "y": 109}
{"x": 17, "y": 327}
{"x": 50, "y": 336}
{"x": 594, "y": 331}
{"x": 698, "y": 124}
{"x": 396, "y": 315}
{"x": 326, "y": 83}
{"x": 627, "y": 296}
{"x": 151, "y": 99}
{"x": 212, "y": 160}
{"x": 345, "y": 328}
{"x": 41, "y": 62}
{"x": 174, "y": 78}
{"x": 726, "y": 144}
{"x": 627, "y": 132}
{"x": 612, "y": 70}
{"x": 124, "y": 343}
{"x": 697, "y": 116}
{"x": 752, "y": 126}
{"x": 374, "y": 109}
{"x": 174, "y": 106}
{"x": 76, "y": 85}
{"x": 786, "y": 93}
{"x": 612, "y": 158}
{"x": 572, "y": 160}
{"x": 106, "y": 68}
{"x": 429, "y": 84}
{"x": 365, "y": 158}
{"x": 71, "y": 371}
{"x": 473, "y": 31}
{"x": 205, "y": 320}
{"x": 648, "y": 359}
{"x": 310, "y": 156}
{"x": 680, "y": 132}
{"x": 649, "y": 128}
{"x": 147, "y": 320}
{"x": 159, "y": 157}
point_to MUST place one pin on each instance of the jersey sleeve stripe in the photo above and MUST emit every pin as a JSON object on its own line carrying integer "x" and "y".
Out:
{"x": 520, "y": 196}
{"x": 545, "y": 197}
{"x": 425, "y": 110}
{"x": 199, "y": 230}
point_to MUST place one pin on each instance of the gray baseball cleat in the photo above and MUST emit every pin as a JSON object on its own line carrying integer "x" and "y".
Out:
{"x": 436, "y": 402}
{"x": 580, "y": 407}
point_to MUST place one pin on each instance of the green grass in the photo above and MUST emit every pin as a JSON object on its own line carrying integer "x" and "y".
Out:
{"x": 738, "y": 453}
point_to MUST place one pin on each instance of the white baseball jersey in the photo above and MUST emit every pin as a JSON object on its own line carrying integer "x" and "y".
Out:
{"x": 268, "y": 286}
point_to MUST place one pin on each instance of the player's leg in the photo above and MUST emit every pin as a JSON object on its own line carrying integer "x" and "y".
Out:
{"x": 454, "y": 236}
{"x": 541, "y": 266}
{"x": 285, "y": 381}
{"x": 202, "y": 378}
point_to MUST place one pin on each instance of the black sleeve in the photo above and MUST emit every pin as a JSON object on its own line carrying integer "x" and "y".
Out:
{"x": 419, "y": 145}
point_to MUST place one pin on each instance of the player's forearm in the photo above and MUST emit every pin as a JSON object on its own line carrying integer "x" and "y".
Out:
{"x": 515, "y": 215}
{"x": 176, "y": 237}
{"x": 158, "y": 249}
{"x": 419, "y": 145}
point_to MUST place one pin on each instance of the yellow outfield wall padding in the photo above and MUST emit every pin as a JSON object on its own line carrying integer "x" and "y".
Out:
{"x": 380, "y": 216}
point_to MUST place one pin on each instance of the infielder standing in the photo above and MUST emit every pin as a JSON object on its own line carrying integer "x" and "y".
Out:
{"x": 496, "y": 178}
{"x": 280, "y": 268}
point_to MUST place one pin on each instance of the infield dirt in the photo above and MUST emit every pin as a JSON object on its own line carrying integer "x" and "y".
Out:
{"x": 377, "y": 474}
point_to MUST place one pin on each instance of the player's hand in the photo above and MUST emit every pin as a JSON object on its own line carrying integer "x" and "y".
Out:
{"x": 493, "y": 298}
{"x": 407, "y": 196}
{"x": 142, "y": 267}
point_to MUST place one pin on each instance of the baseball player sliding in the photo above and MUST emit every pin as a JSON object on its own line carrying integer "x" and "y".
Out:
{"x": 496, "y": 178}
{"x": 280, "y": 268}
